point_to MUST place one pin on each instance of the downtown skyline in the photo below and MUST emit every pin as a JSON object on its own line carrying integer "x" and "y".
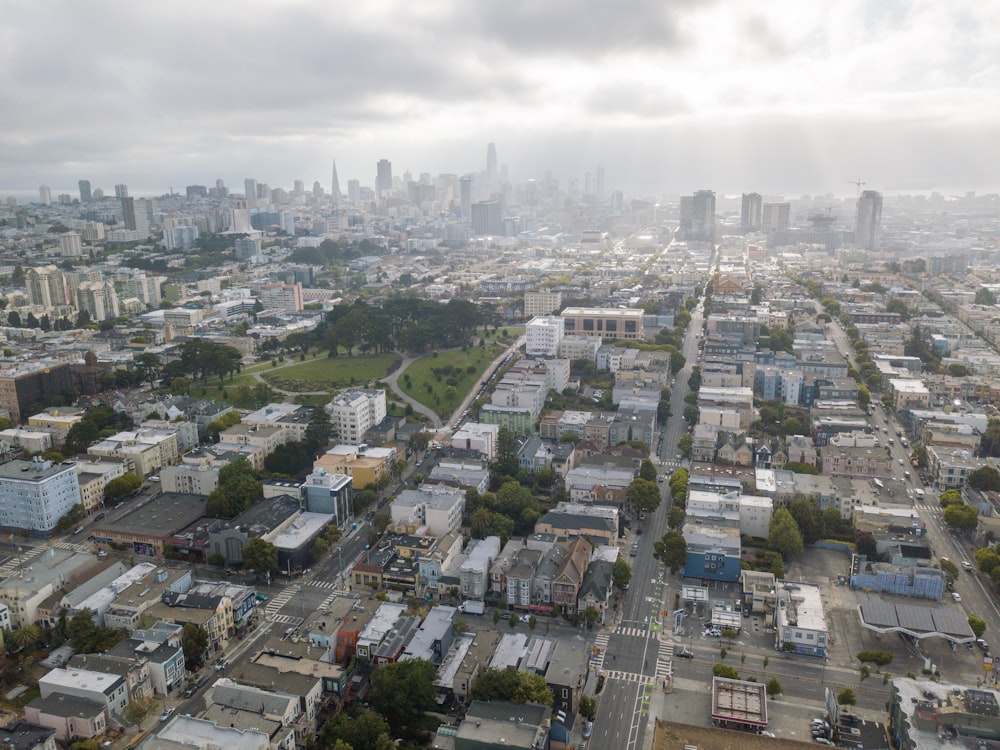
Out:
{"x": 669, "y": 99}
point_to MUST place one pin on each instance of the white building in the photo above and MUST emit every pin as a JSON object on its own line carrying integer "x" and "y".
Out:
{"x": 35, "y": 494}
{"x": 437, "y": 508}
{"x": 800, "y": 621}
{"x": 109, "y": 690}
{"x": 355, "y": 411}
{"x": 543, "y": 335}
{"x": 473, "y": 436}
{"x": 70, "y": 245}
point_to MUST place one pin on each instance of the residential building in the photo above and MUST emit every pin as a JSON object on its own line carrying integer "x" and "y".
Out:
{"x": 36, "y": 494}
{"x": 68, "y": 716}
{"x": 477, "y": 436}
{"x": 355, "y": 411}
{"x": 329, "y": 493}
{"x": 437, "y": 508}
{"x": 291, "y": 418}
{"x": 593, "y": 484}
{"x": 146, "y": 450}
{"x": 542, "y": 302}
{"x": 868, "y": 228}
{"x": 110, "y": 691}
{"x": 569, "y": 577}
{"x": 543, "y": 335}
{"x": 281, "y": 296}
{"x": 799, "y": 619}
{"x": 712, "y": 552}
{"x": 365, "y": 466}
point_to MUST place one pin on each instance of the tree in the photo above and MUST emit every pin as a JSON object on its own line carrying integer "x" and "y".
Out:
{"x": 622, "y": 574}
{"x": 985, "y": 297}
{"x": 380, "y": 521}
{"x": 514, "y": 686}
{"x": 671, "y": 550}
{"x": 419, "y": 441}
{"x": 773, "y": 687}
{"x": 644, "y": 495}
{"x": 675, "y": 517}
{"x": 985, "y": 478}
{"x": 137, "y": 710}
{"x": 978, "y": 625}
{"x": 587, "y": 707}
{"x": 647, "y": 470}
{"x": 684, "y": 444}
{"x": 951, "y": 497}
{"x": 987, "y": 559}
{"x": 194, "y": 643}
{"x": 961, "y": 517}
{"x": 592, "y": 616}
{"x": 811, "y": 524}
{"x": 227, "y": 420}
{"x": 505, "y": 464}
{"x": 260, "y": 556}
{"x": 318, "y": 431}
{"x": 24, "y": 636}
{"x": 365, "y": 730}
{"x": 724, "y": 670}
{"x": 122, "y": 486}
{"x": 878, "y": 658}
{"x": 403, "y": 690}
{"x": 846, "y": 697}
{"x": 784, "y": 536}
{"x": 949, "y": 569}
{"x": 513, "y": 620}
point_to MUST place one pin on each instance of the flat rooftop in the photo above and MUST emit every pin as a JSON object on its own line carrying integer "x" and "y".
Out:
{"x": 919, "y": 619}
{"x": 161, "y": 516}
{"x": 739, "y": 701}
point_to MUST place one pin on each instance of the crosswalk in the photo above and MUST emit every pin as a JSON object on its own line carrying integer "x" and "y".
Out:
{"x": 664, "y": 661}
{"x": 632, "y": 631}
{"x": 279, "y": 600}
{"x": 331, "y": 585}
{"x": 286, "y": 620}
{"x": 600, "y": 649}
{"x": 927, "y": 507}
{"x": 73, "y": 546}
{"x": 642, "y": 679}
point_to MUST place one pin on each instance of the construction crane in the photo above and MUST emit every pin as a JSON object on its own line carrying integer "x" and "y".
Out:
{"x": 858, "y": 182}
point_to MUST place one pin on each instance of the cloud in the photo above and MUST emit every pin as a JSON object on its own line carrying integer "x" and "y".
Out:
{"x": 182, "y": 92}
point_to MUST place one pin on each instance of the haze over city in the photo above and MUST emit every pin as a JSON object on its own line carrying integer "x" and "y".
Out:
{"x": 669, "y": 97}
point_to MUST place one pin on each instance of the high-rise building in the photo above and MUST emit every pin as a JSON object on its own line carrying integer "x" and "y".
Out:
{"x": 85, "y": 195}
{"x": 703, "y": 216}
{"x": 383, "y": 178}
{"x": 70, "y": 245}
{"x": 24, "y": 383}
{"x": 298, "y": 186}
{"x": 99, "y": 299}
{"x": 335, "y": 186}
{"x": 250, "y": 189}
{"x": 281, "y": 296}
{"x": 775, "y": 216}
{"x": 465, "y": 195}
{"x": 868, "y": 232}
{"x": 487, "y": 218}
{"x": 241, "y": 218}
{"x": 128, "y": 212}
{"x": 750, "y": 212}
{"x": 45, "y": 195}
{"x": 121, "y": 191}
{"x": 600, "y": 180}
{"x": 491, "y": 162}
{"x": 46, "y": 286}
{"x": 354, "y": 191}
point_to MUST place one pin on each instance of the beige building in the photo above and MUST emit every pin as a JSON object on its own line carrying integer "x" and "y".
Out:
{"x": 541, "y": 302}
{"x": 148, "y": 451}
{"x": 608, "y": 323}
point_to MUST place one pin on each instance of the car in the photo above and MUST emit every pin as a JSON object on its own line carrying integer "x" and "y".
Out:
{"x": 167, "y": 714}
{"x": 765, "y": 733}
{"x": 190, "y": 691}
{"x": 900, "y": 461}
{"x": 588, "y": 729}
{"x": 823, "y": 741}
{"x": 956, "y": 596}
{"x": 154, "y": 479}
{"x": 262, "y": 597}
{"x": 221, "y": 664}
{"x": 983, "y": 645}
{"x": 684, "y": 654}
{"x": 966, "y": 565}
{"x": 638, "y": 530}
{"x": 79, "y": 529}
{"x": 713, "y": 633}
{"x": 633, "y": 552}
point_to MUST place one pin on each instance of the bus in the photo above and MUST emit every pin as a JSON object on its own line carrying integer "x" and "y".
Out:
{"x": 877, "y": 483}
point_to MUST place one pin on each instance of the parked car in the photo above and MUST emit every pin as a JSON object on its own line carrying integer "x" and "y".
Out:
{"x": 823, "y": 741}
{"x": 956, "y": 596}
{"x": 167, "y": 714}
{"x": 966, "y": 565}
{"x": 684, "y": 654}
{"x": 713, "y": 633}
{"x": 983, "y": 645}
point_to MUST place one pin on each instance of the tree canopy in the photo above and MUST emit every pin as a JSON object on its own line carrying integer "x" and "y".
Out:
{"x": 513, "y": 686}
{"x": 644, "y": 495}
{"x": 403, "y": 690}
{"x": 260, "y": 556}
{"x": 671, "y": 550}
{"x": 784, "y": 536}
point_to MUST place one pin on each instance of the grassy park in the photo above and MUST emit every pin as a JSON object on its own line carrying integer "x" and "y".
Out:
{"x": 441, "y": 380}
{"x": 324, "y": 373}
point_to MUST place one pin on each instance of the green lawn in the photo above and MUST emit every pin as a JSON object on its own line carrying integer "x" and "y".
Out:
{"x": 421, "y": 382}
{"x": 324, "y": 373}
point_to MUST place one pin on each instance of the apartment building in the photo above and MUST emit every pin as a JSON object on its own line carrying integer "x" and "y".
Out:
{"x": 355, "y": 411}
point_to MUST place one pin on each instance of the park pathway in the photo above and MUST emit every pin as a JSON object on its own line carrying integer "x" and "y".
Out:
{"x": 393, "y": 379}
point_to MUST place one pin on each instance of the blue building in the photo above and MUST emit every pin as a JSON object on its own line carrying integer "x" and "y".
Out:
{"x": 713, "y": 553}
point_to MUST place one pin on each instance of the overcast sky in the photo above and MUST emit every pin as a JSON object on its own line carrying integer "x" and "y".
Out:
{"x": 787, "y": 96}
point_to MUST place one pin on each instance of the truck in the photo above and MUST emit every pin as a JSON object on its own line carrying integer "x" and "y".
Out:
{"x": 472, "y": 607}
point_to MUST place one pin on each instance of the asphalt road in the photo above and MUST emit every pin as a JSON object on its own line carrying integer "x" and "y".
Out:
{"x": 631, "y": 657}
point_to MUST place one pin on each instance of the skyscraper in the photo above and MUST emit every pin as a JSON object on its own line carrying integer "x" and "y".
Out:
{"x": 465, "y": 196}
{"x": 128, "y": 212}
{"x": 487, "y": 218}
{"x": 491, "y": 162}
{"x": 335, "y": 186}
{"x": 600, "y": 180}
{"x": 354, "y": 191}
{"x": 383, "y": 178}
{"x": 750, "y": 212}
{"x": 703, "y": 216}
{"x": 121, "y": 191}
{"x": 85, "y": 195}
{"x": 868, "y": 232}
{"x": 775, "y": 216}
{"x": 46, "y": 286}
{"x": 250, "y": 188}
{"x": 45, "y": 195}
